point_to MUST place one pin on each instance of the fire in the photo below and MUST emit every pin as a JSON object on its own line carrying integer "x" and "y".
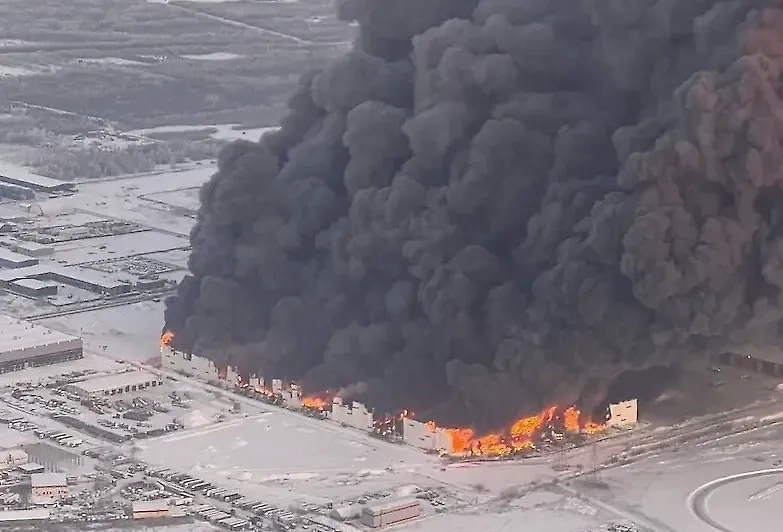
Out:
{"x": 315, "y": 402}
{"x": 523, "y": 434}
{"x": 166, "y": 338}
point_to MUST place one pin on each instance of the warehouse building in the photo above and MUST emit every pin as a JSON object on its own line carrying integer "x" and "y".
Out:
{"x": 355, "y": 415}
{"x": 150, "y": 509}
{"x": 24, "y": 516}
{"x": 77, "y": 277}
{"x": 24, "y": 344}
{"x": 130, "y": 381}
{"x": 36, "y": 182}
{"x": 390, "y": 513}
{"x": 48, "y": 488}
{"x": 15, "y": 192}
{"x": 11, "y": 259}
{"x": 34, "y": 287}
{"x": 31, "y": 249}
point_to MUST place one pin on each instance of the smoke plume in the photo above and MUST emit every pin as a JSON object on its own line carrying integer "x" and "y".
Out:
{"x": 491, "y": 205}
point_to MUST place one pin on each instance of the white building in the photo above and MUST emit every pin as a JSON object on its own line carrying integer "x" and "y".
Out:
{"x": 24, "y": 344}
{"x": 129, "y": 381}
{"x": 623, "y": 414}
{"x": 356, "y": 415}
{"x": 425, "y": 436}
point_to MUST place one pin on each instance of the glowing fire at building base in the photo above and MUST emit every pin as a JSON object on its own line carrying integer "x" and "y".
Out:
{"x": 554, "y": 425}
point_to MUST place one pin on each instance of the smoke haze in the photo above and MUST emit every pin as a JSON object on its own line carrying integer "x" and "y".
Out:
{"x": 488, "y": 206}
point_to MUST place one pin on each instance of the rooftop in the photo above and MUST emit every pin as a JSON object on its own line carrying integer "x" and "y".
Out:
{"x": 34, "y": 284}
{"x": 120, "y": 380}
{"x": 24, "y": 515}
{"x": 46, "y": 271}
{"x": 150, "y": 506}
{"x": 18, "y": 175}
{"x": 12, "y": 256}
{"x": 45, "y": 480}
{"x": 19, "y": 334}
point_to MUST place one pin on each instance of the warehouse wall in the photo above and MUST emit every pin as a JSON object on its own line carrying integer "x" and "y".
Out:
{"x": 41, "y": 350}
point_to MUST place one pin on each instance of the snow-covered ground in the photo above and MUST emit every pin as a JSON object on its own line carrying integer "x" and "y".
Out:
{"x": 224, "y": 131}
{"x": 128, "y": 333}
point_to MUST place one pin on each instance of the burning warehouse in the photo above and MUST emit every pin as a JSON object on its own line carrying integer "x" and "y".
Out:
{"x": 550, "y": 426}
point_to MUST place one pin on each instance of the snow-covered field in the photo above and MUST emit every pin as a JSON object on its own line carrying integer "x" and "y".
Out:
{"x": 224, "y": 131}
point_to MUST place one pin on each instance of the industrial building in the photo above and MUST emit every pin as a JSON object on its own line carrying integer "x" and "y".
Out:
{"x": 36, "y": 182}
{"x": 22, "y": 516}
{"x": 24, "y": 344}
{"x": 130, "y": 381}
{"x": 31, "y": 249}
{"x": 47, "y": 488}
{"x": 425, "y": 436}
{"x": 200, "y": 367}
{"x": 390, "y": 513}
{"x": 356, "y": 415}
{"x": 15, "y": 192}
{"x": 75, "y": 276}
{"x": 11, "y": 259}
{"x": 150, "y": 509}
{"x": 34, "y": 287}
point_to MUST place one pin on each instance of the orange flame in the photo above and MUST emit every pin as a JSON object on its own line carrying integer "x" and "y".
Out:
{"x": 166, "y": 338}
{"x": 523, "y": 433}
{"x": 315, "y": 402}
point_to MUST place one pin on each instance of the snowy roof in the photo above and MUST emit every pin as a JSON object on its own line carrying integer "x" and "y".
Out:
{"x": 13, "y": 256}
{"x": 20, "y": 176}
{"x": 47, "y": 271}
{"x": 150, "y": 506}
{"x": 19, "y": 334}
{"x": 120, "y": 380}
{"x": 34, "y": 284}
{"x": 45, "y": 480}
{"x": 36, "y": 514}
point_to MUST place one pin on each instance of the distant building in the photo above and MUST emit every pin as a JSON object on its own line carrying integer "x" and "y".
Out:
{"x": 24, "y": 344}
{"x": 11, "y": 458}
{"x": 48, "y": 488}
{"x": 30, "y": 468}
{"x": 35, "y": 288}
{"x": 130, "y": 381}
{"x": 356, "y": 415}
{"x": 150, "y": 509}
{"x": 764, "y": 362}
{"x": 390, "y": 513}
{"x": 22, "y": 516}
{"x": 36, "y": 182}
{"x": 15, "y": 192}
{"x": 74, "y": 276}
{"x": 11, "y": 259}
{"x": 31, "y": 249}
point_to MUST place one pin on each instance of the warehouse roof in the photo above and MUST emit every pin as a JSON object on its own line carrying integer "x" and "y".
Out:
{"x": 34, "y": 284}
{"x": 48, "y": 272}
{"x": 45, "y": 480}
{"x": 16, "y": 175}
{"x": 19, "y": 334}
{"x": 119, "y": 380}
{"x": 150, "y": 506}
{"x": 12, "y": 256}
{"x": 25, "y": 515}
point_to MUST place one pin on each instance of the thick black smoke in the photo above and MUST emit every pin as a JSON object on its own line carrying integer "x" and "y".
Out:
{"x": 491, "y": 205}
